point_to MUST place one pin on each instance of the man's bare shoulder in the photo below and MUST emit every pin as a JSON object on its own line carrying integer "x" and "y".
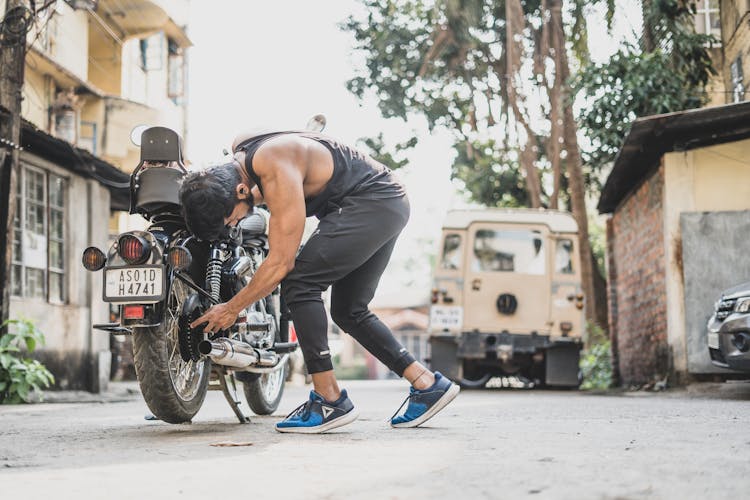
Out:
{"x": 244, "y": 136}
{"x": 288, "y": 148}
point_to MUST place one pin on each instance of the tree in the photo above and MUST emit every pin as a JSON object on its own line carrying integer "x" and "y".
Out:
{"x": 646, "y": 79}
{"x": 482, "y": 69}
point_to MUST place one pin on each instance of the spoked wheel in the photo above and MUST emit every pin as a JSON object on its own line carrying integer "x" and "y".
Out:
{"x": 174, "y": 389}
{"x": 264, "y": 393}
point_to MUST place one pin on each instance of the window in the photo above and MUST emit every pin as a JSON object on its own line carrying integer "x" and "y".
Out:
{"x": 564, "y": 257}
{"x": 176, "y": 77}
{"x": 520, "y": 251}
{"x": 707, "y": 20}
{"x": 738, "y": 80}
{"x": 87, "y": 137}
{"x": 452, "y": 252}
{"x": 38, "y": 263}
{"x": 152, "y": 52}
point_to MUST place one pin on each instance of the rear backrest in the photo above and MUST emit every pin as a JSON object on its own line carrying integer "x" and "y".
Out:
{"x": 157, "y": 189}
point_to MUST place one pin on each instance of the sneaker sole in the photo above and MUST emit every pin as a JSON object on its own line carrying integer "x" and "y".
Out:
{"x": 333, "y": 424}
{"x": 441, "y": 403}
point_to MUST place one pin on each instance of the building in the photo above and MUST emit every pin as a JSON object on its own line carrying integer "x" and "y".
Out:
{"x": 92, "y": 74}
{"x": 679, "y": 199}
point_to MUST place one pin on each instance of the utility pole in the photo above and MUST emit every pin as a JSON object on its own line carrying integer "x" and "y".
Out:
{"x": 13, "y": 28}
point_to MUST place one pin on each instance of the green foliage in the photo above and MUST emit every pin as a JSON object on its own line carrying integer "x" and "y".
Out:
{"x": 596, "y": 360}
{"x": 20, "y": 376}
{"x": 598, "y": 239}
{"x": 447, "y": 61}
{"x": 391, "y": 158}
{"x": 490, "y": 174}
{"x": 635, "y": 83}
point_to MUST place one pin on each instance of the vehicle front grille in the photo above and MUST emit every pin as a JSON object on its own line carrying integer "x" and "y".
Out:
{"x": 725, "y": 308}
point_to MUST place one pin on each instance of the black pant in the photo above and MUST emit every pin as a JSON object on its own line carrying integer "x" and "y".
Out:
{"x": 349, "y": 251}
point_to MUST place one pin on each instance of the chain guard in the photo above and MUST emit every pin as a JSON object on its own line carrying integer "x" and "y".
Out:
{"x": 189, "y": 338}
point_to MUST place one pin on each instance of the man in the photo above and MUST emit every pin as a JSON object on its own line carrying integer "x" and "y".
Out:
{"x": 362, "y": 209}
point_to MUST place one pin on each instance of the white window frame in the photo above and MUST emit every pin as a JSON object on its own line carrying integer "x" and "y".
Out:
{"x": 704, "y": 14}
{"x": 18, "y": 262}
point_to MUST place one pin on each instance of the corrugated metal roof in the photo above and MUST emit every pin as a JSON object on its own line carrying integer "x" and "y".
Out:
{"x": 653, "y": 136}
{"x": 77, "y": 160}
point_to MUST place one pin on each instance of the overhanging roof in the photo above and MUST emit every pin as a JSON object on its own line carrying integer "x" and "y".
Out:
{"x": 653, "y": 136}
{"x": 77, "y": 160}
{"x": 142, "y": 17}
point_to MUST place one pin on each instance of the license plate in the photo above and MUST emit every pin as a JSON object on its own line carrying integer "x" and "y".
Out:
{"x": 446, "y": 317}
{"x": 134, "y": 284}
{"x": 713, "y": 340}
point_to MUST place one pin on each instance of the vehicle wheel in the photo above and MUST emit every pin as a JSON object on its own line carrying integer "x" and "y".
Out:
{"x": 473, "y": 377}
{"x": 264, "y": 393}
{"x": 174, "y": 390}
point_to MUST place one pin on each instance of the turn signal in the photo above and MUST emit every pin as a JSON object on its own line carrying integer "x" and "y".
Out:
{"x": 133, "y": 248}
{"x": 93, "y": 259}
{"x": 179, "y": 258}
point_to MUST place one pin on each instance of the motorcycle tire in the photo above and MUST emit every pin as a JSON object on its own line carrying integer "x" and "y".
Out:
{"x": 173, "y": 389}
{"x": 264, "y": 393}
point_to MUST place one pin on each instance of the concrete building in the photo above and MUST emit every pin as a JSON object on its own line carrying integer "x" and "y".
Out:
{"x": 92, "y": 74}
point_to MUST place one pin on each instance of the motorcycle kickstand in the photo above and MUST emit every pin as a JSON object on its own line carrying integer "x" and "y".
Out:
{"x": 230, "y": 393}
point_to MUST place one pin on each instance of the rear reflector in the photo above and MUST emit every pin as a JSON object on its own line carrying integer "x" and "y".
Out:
{"x": 132, "y": 312}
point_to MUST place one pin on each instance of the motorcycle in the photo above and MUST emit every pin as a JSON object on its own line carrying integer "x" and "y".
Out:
{"x": 164, "y": 278}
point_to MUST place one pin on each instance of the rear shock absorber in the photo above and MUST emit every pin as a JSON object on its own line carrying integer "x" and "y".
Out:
{"x": 213, "y": 274}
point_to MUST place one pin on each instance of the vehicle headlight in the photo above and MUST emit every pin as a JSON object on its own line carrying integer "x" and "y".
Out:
{"x": 743, "y": 305}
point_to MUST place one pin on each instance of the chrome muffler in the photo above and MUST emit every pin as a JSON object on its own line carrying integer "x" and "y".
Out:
{"x": 240, "y": 355}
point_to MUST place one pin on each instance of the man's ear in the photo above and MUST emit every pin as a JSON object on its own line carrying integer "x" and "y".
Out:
{"x": 243, "y": 191}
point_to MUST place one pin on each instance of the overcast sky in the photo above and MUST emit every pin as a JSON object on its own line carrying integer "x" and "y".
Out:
{"x": 275, "y": 64}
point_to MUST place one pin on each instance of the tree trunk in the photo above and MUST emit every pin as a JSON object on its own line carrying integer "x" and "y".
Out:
{"x": 555, "y": 98}
{"x": 574, "y": 166}
{"x": 514, "y": 26}
{"x": 12, "y": 62}
{"x": 647, "y": 37}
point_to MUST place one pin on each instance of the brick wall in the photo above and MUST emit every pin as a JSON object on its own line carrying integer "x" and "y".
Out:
{"x": 637, "y": 287}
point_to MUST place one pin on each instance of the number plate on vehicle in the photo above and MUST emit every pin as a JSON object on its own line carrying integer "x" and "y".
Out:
{"x": 446, "y": 317}
{"x": 713, "y": 340}
{"x": 134, "y": 284}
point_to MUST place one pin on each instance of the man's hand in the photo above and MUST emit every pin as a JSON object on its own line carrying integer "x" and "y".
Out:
{"x": 219, "y": 317}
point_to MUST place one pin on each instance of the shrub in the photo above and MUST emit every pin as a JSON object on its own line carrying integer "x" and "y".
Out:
{"x": 21, "y": 376}
{"x": 596, "y": 367}
{"x": 596, "y": 360}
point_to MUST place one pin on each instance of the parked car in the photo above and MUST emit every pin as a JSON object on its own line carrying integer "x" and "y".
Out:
{"x": 729, "y": 329}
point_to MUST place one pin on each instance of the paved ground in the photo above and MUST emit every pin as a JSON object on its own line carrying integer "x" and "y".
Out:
{"x": 511, "y": 444}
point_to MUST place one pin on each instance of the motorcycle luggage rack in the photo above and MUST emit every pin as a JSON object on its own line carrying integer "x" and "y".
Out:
{"x": 115, "y": 328}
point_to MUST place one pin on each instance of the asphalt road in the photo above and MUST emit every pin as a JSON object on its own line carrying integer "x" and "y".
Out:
{"x": 511, "y": 444}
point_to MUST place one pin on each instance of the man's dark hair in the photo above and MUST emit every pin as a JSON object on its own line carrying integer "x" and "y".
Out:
{"x": 208, "y": 197}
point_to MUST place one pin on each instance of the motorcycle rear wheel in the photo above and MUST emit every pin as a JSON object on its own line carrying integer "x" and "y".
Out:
{"x": 264, "y": 393}
{"x": 173, "y": 389}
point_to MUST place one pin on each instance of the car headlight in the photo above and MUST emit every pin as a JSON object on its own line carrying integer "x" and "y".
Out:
{"x": 743, "y": 305}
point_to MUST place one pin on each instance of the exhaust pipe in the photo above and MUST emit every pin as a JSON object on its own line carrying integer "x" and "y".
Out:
{"x": 236, "y": 354}
{"x": 229, "y": 352}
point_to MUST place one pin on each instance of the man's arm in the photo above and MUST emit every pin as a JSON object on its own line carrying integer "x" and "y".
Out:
{"x": 280, "y": 167}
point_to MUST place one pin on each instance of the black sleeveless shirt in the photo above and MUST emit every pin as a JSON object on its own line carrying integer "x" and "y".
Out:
{"x": 354, "y": 173}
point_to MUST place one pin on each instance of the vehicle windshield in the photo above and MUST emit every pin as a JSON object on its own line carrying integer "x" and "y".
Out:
{"x": 509, "y": 250}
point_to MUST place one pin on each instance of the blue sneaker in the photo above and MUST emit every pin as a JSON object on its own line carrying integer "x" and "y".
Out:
{"x": 317, "y": 415}
{"x": 425, "y": 403}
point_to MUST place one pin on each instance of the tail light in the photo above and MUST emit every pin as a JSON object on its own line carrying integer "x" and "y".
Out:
{"x": 133, "y": 312}
{"x": 434, "y": 295}
{"x": 133, "y": 249}
{"x": 93, "y": 259}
